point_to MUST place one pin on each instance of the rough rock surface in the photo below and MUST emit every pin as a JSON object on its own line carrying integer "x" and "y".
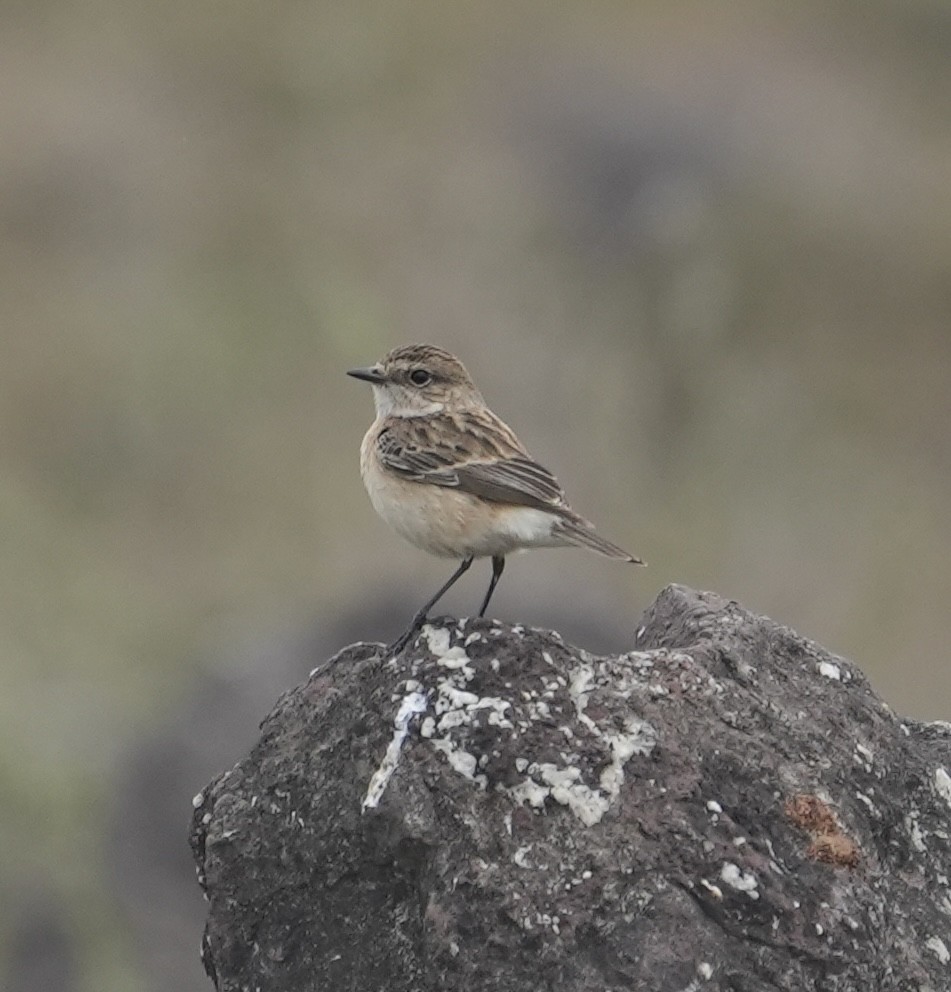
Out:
{"x": 728, "y": 807}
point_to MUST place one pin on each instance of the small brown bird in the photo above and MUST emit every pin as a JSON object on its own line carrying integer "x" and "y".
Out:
{"x": 449, "y": 476}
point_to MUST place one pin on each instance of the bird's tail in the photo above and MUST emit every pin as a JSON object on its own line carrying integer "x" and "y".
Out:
{"x": 579, "y": 532}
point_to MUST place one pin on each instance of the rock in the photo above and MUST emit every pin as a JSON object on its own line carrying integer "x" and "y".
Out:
{"x": 150, "y": 872}
{"x": 728, "y": 807}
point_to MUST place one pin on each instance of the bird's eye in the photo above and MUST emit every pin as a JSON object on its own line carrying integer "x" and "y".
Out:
{"x": 419, "y": 377}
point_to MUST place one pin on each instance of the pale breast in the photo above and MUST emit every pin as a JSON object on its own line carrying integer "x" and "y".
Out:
{"x": 448, "y": 523}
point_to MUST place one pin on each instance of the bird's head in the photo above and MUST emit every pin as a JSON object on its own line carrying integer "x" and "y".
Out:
{"x": 419, "y": 379}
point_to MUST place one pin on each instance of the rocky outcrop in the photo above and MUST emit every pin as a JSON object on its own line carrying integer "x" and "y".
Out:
{"x": 726, "y": 807}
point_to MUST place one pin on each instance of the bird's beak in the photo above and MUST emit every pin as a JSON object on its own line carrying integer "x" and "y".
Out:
{"x": 373, "y": 374}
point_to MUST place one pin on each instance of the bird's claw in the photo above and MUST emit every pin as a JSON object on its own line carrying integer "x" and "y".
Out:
{"x": 414, "y": 628}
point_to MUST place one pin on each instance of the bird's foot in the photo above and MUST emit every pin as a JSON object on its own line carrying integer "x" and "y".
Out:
{"x": 414, "y": 628}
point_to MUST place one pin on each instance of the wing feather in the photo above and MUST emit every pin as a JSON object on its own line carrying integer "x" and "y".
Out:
{"x": 473, "y": 452}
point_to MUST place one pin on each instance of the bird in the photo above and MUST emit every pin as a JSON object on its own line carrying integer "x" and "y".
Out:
{"x": 452, "y": 478}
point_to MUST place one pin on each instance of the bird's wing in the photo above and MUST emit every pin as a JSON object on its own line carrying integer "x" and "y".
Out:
{"x": 473, "y": 452}
{"x": 513, "y": 480}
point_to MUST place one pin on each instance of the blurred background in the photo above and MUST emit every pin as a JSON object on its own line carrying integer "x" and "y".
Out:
{"x": 698, "y": 255}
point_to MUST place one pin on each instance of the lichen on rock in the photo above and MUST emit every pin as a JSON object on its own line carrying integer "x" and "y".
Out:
{"x": 726, "y": 806}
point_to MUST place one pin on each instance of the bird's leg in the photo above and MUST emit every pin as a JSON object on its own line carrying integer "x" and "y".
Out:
{"x": 498, "y": 563}
{"x": 420, "y": 617}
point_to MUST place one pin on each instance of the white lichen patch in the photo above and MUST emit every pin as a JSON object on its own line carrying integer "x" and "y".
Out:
{"x": 580, "y": 687}
{"x": 714, "y": 890}
{"x": 452, "y": 719}
{"x": 414, "y": 703}
{"x": 565, "y": 783}
{"x": 520, "y": 857}
{"x": 742, "y": 881}
{"x": 585, "y": 775}
{"x": 565, "y": 787}
{"x": 830, "y": 671}
{"x": 942, "y": 784}
{"x": 637, "y": 737}
{"x": 530, "y": 793}
{"x": 455, "y": 658}
{"x": 437, "y": 638}
{"x": 938, "y": 947}
{"x": 461, "y": 761}
{"x": 864, "y": 758}
{"x": 449, "y": 698}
